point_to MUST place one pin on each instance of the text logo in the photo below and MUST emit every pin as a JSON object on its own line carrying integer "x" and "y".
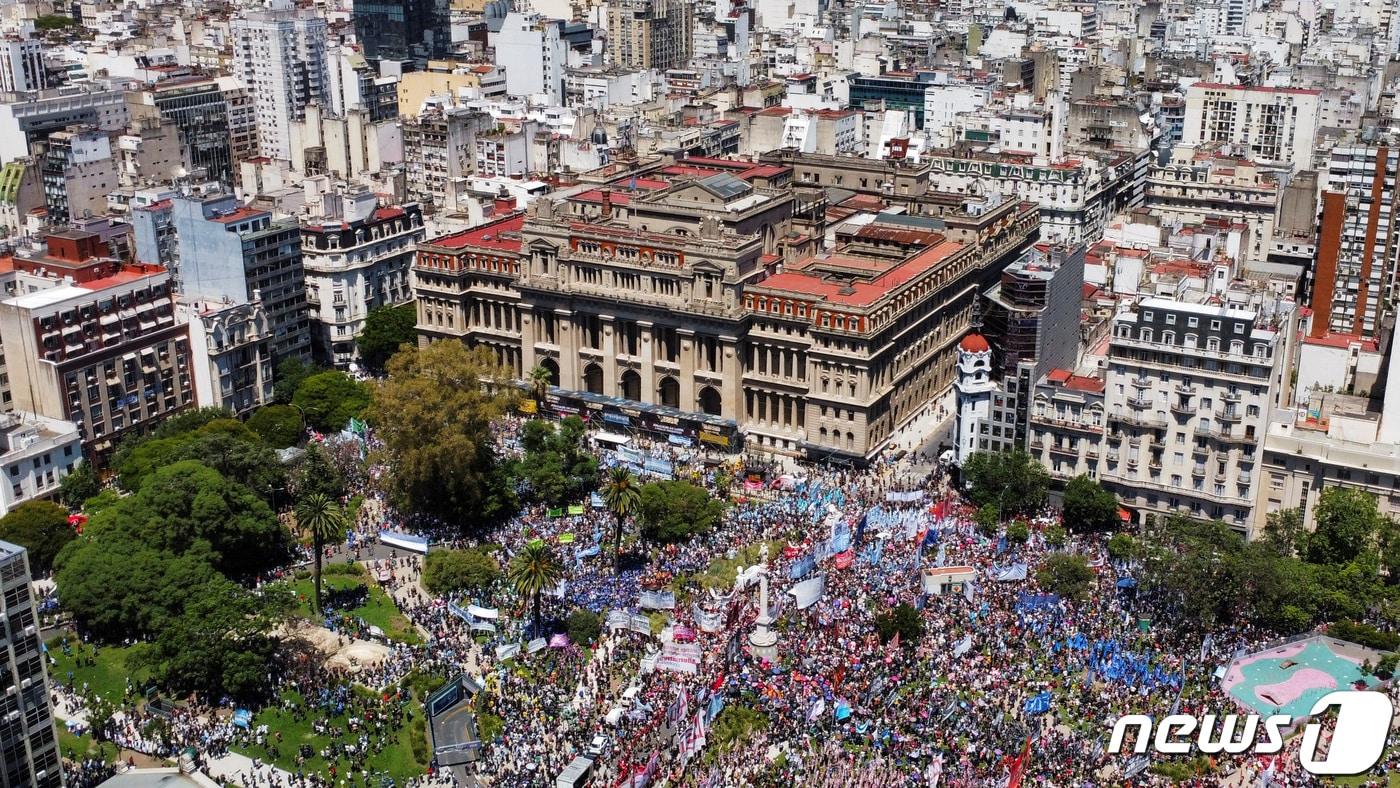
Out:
{"x": 1357, "y": 743}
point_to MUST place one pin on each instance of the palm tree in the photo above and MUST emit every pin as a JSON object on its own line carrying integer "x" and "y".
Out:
{"x": 323, "y": 518}
{"x": 622, "y": 494}
{"x": 540, "y": 379}
{"x": 533, "y": 570}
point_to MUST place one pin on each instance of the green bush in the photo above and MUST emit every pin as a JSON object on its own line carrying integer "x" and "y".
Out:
{"x": 1018, "y": 533}
{"x": 905, "y": 620}
{"x": 445, "y": 571}
{"x": 583, "y": 626}
{"x": 1365, "y": 635}
{"x": 278, "y": 425}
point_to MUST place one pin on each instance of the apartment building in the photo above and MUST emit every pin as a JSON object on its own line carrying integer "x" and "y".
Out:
{"x": 650, "y": 34}
{"x": 1200, "y": 184}
{"x": 1358, "y": 249}
{"x": 29, "y": 118}
{"x": 78, "y": 170}
{"x": 1188, "y": 387}
{"x": 279, "y": 53}
{"x": 28, "y": 745}
{"x": 200, "y": 109}
{"x": 234, "y": 254}
{"x": 36, "y": 452}
{"x": 229, "y": 354}
{"x": 100, "y": 346}
{"x": 1266, "y": 124}
{"x": 357, "y": 255}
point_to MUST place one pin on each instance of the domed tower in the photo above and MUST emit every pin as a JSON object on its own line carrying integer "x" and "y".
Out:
{"x": 973, "y": 388}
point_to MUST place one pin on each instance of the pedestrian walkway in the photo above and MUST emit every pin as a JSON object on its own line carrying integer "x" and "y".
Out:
{"x": 233, "y": 767}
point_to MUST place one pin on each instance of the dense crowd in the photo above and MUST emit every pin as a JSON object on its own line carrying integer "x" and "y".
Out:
{"x": 1006, "y": 684}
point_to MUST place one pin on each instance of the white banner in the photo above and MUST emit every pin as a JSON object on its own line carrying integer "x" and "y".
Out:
{"x": 808, "y": 591}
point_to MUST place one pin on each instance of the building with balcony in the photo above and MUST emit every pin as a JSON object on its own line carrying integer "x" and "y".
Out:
{"x": 1187, "y": 392}
{"x": 100, "y": 346}
{"x": 1266, "y": 124}
{"x": 1198, "y": 184}
{"x": 229, "y": 354}
{"x": 28, "y": 744}
{"x": 234, "y": 254}
{"x": 358, "y": 255}
{"x": 36, "y": 452}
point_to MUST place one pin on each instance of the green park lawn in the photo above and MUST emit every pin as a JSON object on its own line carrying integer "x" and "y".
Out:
{"x": 106, "y": 676}
{"x": 78, "y": 747}
{"x": 398, "y": 760}
{"x": 378, "y": 610}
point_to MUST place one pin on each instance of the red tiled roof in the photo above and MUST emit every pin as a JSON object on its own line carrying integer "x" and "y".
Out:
{"x": 1342, "y": 341}
{"x": 238, "y": 215}
{"x": 861, "y": 293}
{"x": 487, "y": 236}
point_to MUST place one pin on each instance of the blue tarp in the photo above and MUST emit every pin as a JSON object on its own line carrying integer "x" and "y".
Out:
{"x": 1039, "y": 704}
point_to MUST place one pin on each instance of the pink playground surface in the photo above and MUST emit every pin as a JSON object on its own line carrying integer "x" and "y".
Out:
{"x": 1293, "y": 681}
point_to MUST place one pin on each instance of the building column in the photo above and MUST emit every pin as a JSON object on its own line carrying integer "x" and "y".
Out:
{"x": 687, "y": 373}
{"x": 731, "y": 376}
{"x": 647, "y": 350}
{"x": 527, "y": 340}
{"x": 568, "y": 333}
{"x": 610, "y": 371}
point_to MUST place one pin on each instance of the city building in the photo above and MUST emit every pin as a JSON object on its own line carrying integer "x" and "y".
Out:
{"x": 78, "y": 171}
{"x": 650, "y": 34}
{"x": 533, "y": 49}
{"x": 440, "y": 154}
{"x": 199, "y": 106}
{"x": 100, "y": 346}
{"x": 35, "y": 454}
{"x": 22, "y": 64}
{"x": 28, "y": 744}
{"x": 400, "y": 29}
{"x": 29, "y": 118}
{"x": 1354, "y": 276}
{"x": 233, "y": 254}
{"x": 664, "y": 289}
{"x": 1187, "y": 391}
{"x": 357, "y": 254}
{"x": 1197, "y": 184}
{"x": 229, "y": 354}
{"x": 279, "y": 54}
{"x": 1266, "y": 124}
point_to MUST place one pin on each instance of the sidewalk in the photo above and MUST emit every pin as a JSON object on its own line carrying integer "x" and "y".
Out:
{"x": 230, "y": 768}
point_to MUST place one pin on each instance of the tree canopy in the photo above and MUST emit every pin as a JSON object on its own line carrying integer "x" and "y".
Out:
{"x": 446, "y": 571}
{"x": 330, "y": 399}
{"x": 434, "y": 414}
{"x": 290, "y": 374}
{"x": 557, "y": 468}
{"x": 279, "y": 426}
{"x": 1012, "y": 481}
{"x": 42, "y": 528}
{"x": 386, "y": 329}
{"x": 1065, "y": 574}
{"x": 1088, "y": 506}
{"x": 224, "y": 444}
{"x": 674, "y": 511}
{"x": 78, "y": 485}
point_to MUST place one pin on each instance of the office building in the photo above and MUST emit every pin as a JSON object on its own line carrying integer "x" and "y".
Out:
{"x": 280, "y": 56}
{"x": 200, "y": 110}
{"x": 401, "y": 29}
{"x": 234, "y": 254}
{"x": 28, "y": 744}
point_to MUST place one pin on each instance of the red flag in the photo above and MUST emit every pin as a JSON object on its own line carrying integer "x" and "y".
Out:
{"x": 1018, "y": 766}
{"x": 893, "y": 644}
{"x": 838, "y": 675}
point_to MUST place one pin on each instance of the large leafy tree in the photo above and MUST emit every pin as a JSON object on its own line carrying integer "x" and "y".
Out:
{"x": 189, "y": 506}
{"x": 117, "y": 587}
{"x": 1348, "y": 524}
{"x": 1066, "y": 574}
{"x": 387, "y": 328}
{"x": 1013, "y": 481}
{"x": 317, "y": 473}
{"x": 220, "y": 643}
{"x": 434, "y": 415}
{"x": 556, "y": 468}
{"x": 446, "y": 571}
{"x": 290, "y": 374}
{"x": 1088, "y": 506}
{"x": 279, "y": 426}
{"x": 78, "y": 485}
{"x": 320, "y": 517}
{"x": 622, "y": 495}
{"x": 42, "y": 528}
{"x": 330, "y": 399}
{"x": 674, "y": 511}
{"x": 222, "y": 443}
{"x": 532, "y": 571}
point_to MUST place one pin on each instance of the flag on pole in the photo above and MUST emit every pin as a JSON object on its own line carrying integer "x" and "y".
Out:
{"x": 1018, "y": 766}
